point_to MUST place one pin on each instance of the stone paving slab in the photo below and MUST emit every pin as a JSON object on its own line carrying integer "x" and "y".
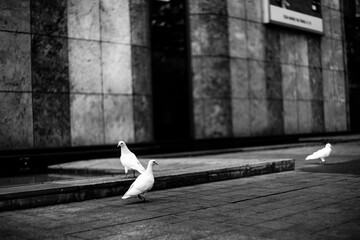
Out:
{"x": 242, "y": 208}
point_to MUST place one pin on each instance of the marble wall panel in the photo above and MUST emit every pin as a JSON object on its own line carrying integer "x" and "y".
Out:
{"x": 197, "y": 77}
{"x": 51, "y": 120}
{"x": 115, "y": 21}
{"x": 15, "y": 63}
{"x": 49, "y": 17}
{"x": 216, "y": 72}
{"x": 339, "y": 86}
{"x": 259, "y": 117}
{"x": 15, "y": 15}
{"x": 239, "y": 78}
{"x": 272, "y": 44}
{"x": 318, "y": 116}
{"x": 255, "y": 40}
{"x": 301, "y": 50}
{"x": 236, "y": 8}
{"x": 254, "y": 10}
{"x": 86, "y": 119}
{"x": 290, "y": 116}
{"x": 334, "y": 85}
{"x": 218, "y": 120}
{"x": 326, "y": 52}
{"x": 141, "y": 70}
{"x": 118, "y": 118}
{"x": 305, "y": 117}
{"x": 330, "y": 116}
{"x": 117, "y": 75}
{"x": 197, "y": 32}
{"x": 50, "y": 67}
{"x": 314, "y": 50}
{"x": 316, "y": 87}
{"x": 199, "y": 118}
{"x": 336, "y": 24}
{"x": 143, "y": 118}
{"x": 16, "y": 122}
{"x": 328, "y": 84}
{"x": 340, "y": 116}
{"x": 237, "y": 38}
{"x": 275, "y": 117}
{"x": 257, "y": 80}
{"x": 208, "y": 7}
{"x": 303, "y": 83}
{"x": 335, "y": 4}
{"x": 273, "y": 80}
{"x": 289, "y": 87}
{"x": 337, "y": 60}
{"x": 215, "y": 39}
{"x": 85, "y": 66}
{"x": 139, "y": 20}
{"x": 84, "y": 19}
{"x": 326, "y": 16}
{"x": 288, "y": 51}
{"x": 241, "y": 117}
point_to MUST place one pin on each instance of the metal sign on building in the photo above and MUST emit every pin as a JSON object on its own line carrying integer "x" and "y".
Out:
{"x": 301, "y": 14}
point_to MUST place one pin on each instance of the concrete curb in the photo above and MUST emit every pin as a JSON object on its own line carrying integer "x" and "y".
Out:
{"x": 79, "y": 192}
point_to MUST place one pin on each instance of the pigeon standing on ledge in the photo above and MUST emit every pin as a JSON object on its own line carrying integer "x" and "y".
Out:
{"x": 320, "y": 154}
{"x": 129, "y": 160}
{"x": 142, "y": 184}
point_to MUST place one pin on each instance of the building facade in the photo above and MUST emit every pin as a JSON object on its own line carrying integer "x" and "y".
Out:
{"x": 93, "y": 72}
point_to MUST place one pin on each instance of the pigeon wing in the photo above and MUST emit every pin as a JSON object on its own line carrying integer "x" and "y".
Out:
{"x": 130, "y": 161}
{"x": 322, "y": 153}
{"x": 142, "y": 184}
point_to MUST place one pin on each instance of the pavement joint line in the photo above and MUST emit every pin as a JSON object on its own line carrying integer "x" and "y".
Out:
{"x": 338, "y": 224}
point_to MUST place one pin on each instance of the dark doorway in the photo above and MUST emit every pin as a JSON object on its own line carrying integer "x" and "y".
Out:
{"x": 352, "y": 36}
{"x": 171, "y": 91}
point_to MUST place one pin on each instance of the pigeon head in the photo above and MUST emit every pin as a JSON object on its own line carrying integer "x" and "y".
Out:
{"x": 121, "y": 144}
{"x": 328, "y": 145}
{"x": 153, "y": 162}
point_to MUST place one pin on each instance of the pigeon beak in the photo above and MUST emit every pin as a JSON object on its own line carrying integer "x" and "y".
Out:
{"x": 156, "y": 163}
{"x": 118, "y": 145}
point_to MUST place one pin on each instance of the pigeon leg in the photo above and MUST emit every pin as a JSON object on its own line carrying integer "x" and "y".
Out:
{"x": 322, "y": 160}
{"x": 142, "y": 197}
{"x": 134, "y": 173}
{"x": 126, "y": 172}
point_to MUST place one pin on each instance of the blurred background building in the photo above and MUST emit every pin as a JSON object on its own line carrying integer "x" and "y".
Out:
{"x": 93, "y": 72}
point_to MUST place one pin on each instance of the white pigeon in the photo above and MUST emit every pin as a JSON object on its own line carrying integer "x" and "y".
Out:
{"x": 129, "y": 160}
{"x": 142, "y": 184}
{"x": 320, "y": 154}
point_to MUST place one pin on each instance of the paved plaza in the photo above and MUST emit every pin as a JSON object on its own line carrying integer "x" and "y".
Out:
{"x": 288, "y": 205}
{"x": 312, "y": 202}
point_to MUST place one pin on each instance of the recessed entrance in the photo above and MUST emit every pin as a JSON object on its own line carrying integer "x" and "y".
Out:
{"x": 171, "y": 91}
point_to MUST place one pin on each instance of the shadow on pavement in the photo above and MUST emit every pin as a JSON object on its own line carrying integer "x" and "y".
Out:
{"x": 351, "y": 167}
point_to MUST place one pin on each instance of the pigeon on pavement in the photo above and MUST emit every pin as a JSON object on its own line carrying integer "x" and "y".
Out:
{"x": 142, "y": 184}
{"x": 320, "y": 154}
{"x": 129, "y": 160}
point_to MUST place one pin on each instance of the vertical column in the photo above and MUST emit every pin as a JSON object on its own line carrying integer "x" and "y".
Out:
{"x": 116, "y": 71}
{"x": 141, "y": 70}
{"x": 238, "y": 69}
{"x": 211, "y": 69}
{"x": 85, "y": 73}
{"x": 335, "y": 113}
{"x": 16, "y": 126}
{"x": 50, "y": 73}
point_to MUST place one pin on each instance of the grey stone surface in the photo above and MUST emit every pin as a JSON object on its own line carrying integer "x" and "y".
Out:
{"x": 276, "y": 206}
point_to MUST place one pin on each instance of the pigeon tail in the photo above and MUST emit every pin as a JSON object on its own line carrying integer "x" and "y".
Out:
{"x": 311, "y": 157}
{"x": 125, "y": 197}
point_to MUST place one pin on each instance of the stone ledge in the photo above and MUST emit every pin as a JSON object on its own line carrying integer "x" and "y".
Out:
{"x": 57, "y": 193}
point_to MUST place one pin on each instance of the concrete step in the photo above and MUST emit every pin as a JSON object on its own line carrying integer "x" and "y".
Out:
{"x": 109, "y": 184}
